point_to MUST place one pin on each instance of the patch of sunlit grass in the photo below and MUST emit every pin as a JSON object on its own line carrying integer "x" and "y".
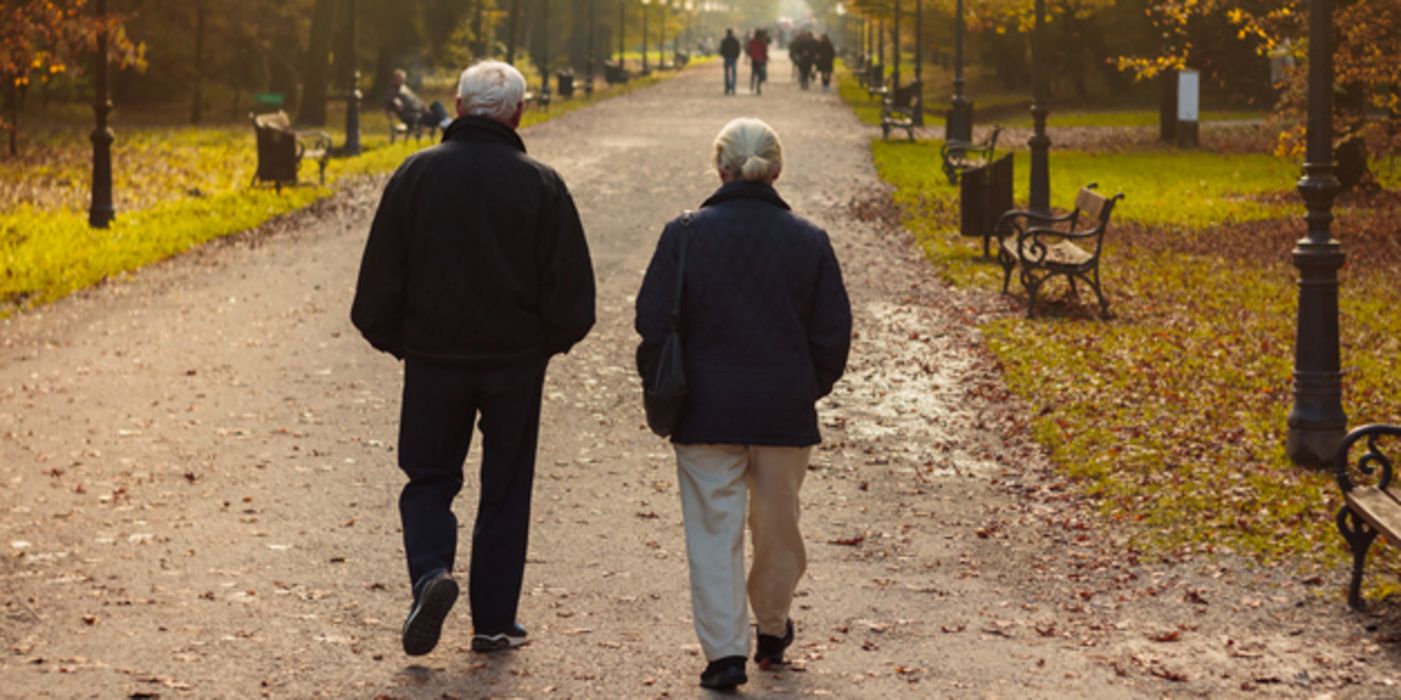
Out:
{"x": 174, "y": 188}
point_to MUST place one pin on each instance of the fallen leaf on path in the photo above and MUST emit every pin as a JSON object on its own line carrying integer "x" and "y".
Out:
{"x": 848, "y": 541}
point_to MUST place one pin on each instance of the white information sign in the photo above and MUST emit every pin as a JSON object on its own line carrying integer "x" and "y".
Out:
{"x": 1188, "y": 89}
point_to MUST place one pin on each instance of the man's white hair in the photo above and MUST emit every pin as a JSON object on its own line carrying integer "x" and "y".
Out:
{"x": 491, "y": 89}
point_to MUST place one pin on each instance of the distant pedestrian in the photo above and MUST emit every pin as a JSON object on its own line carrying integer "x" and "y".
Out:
{"x": 475, "y": 273}
{"x": 411, "y": 110}
{"x": 758, "y": 51}
{"x": 803, "y": 51}
{"x": 729, "y": 50}
{"x": 826, "y": 57}
{"x": 766, "y": 326}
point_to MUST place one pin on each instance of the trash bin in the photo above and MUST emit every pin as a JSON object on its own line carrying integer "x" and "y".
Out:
{"x": 985, "y": 192}
{"x": 565, "y": 80}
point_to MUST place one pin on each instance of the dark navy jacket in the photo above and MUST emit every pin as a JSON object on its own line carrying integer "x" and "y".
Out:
{"x": 765, "y": 320}
{"x": 476, "y": 255}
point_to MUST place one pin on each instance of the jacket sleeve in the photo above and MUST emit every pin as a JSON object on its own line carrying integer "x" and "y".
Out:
{"x": 829, "y": 329}
{"x": 653, "y": 309}
{"x": 378, "y": 309}
{"x": 567, "y": 284}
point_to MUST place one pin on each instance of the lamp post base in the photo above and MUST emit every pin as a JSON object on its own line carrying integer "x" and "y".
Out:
{"x": 1313, "y": 447}
{"x": 959, "y": 121}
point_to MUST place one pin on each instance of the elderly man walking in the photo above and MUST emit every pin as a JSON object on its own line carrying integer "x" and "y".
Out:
{"x": 475, "y": 273}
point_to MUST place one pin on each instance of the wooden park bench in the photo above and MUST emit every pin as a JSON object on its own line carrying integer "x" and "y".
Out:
{"x": 282, "y": 148}
{"x": 1045, "y": 246}
{"x": 897, "y": 110}
{"x": 959, "y": 155}
{"x": 615, "y": 73}
{"x": 1372, "y": 510}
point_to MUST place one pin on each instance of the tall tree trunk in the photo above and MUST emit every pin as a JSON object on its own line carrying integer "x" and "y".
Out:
{"x": 197, "y": 96}
{"x": 318, "y": 65}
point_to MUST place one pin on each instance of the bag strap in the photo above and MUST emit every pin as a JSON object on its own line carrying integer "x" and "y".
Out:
{"x": 680, "y": 273}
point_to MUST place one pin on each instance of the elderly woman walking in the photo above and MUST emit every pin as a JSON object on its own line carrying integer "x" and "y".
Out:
{"x": 766, "y": 327}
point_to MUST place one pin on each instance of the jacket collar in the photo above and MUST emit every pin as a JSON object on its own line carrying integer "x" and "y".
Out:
{"x": 740, "y": 189}
{"x": 482, "y": 129}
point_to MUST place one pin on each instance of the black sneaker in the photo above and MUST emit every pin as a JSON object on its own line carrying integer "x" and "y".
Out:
{"x": 433, "y": 598}
{"x": 499, "y": 641}
{"x": 724, "y": 674}
{"x": 770, "y": 651}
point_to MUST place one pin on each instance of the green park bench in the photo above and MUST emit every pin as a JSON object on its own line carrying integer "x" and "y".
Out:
{"x": 1047, "y": 246}
{"x": 897, "y": 110}
{"x": 959, "y": 156}
{"x": 1368, "y": 510}
{"x": 282, "y": 148}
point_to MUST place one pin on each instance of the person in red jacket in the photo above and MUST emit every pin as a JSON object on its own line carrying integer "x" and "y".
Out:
{"x": 758, "y": 51}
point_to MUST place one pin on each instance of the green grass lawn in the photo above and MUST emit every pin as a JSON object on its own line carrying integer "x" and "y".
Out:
{"x": 175, "y": 187}
{"x": 1172, "y": 413}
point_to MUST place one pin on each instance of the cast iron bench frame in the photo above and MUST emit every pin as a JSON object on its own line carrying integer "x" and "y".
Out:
{"x": 1043, "y": 251}
{"x": 959, "y": 155}
{"x": 282, "y": 148}
{"x": 1367, "y": 511}
{"x": 402, "y": 130}
{"x": 897, "y": 110}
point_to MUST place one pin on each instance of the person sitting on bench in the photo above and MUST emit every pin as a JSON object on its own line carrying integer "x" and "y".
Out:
{"x": 411, "y": 110}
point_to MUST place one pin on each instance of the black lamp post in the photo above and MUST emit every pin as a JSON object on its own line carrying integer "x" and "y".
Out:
{"x": 918, "y": 116}
{"x": 959, "y": 123}
{"x": 645, "y": 70}
{"x": 353, "y": 95}
{"x": 101, "y": 213}
{"x": 880, "y": 46}
{"x": 1317, "y": 421}
{"x": 661, "y": 39}
{"x": 1040, "y": 143}
{"x": 545, "y": 52}
{"x": 895, "y": 46}
{"x": 588, "y": 63}
{"x": 622, "y": 32}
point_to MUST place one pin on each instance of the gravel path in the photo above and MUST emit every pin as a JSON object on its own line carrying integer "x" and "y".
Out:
{"x": 199, "y": 485}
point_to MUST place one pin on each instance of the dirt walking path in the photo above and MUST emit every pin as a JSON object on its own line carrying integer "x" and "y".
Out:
{"x": 198, "y": 488}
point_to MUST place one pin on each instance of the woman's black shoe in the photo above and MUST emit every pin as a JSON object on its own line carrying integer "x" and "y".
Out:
{"x": 724, "y": 674}
{"x": 770, "y": 651}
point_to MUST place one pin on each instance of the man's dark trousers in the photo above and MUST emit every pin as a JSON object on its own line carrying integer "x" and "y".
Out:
{"x": 441, "y": 402}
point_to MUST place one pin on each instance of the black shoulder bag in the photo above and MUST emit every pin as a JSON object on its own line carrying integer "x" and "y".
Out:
{"x": 665, "y": 392}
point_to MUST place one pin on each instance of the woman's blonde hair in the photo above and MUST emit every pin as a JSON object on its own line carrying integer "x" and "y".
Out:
{"x": 748, "y": 149}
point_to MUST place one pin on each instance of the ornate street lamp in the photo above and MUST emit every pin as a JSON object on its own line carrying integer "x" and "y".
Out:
{"x": 661, "y": 40}
{"x": 1317, "y": 421}
{"x": 645, "y": 70}
{"x": 545, "y": 52}
{"x": 101, "y": 213}
{"x": 1040, "y": 143}
{"x": 352, "y": 79}
{"x": 622, "y": 31}
{"x": 895, "y": 46}
{"x": 588, "y": 64}
{"x": 958, "y": 126}
{"x": 918, "y": 117}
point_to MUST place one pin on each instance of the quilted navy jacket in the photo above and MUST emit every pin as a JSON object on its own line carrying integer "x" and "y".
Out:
{"x": 765, "y": 319}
